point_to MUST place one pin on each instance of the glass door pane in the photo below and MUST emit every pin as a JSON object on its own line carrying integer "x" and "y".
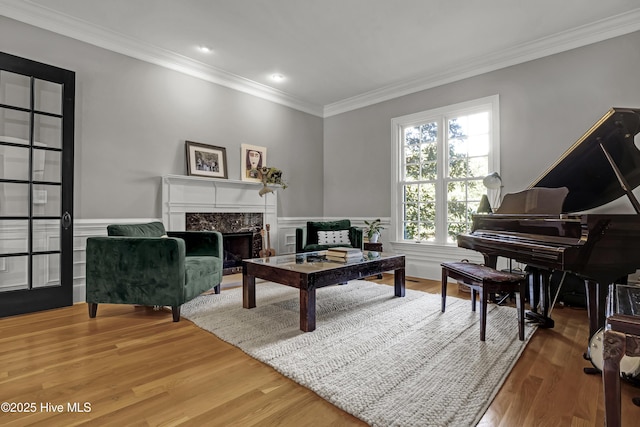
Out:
{"x": 36, "y": 142}
{"x": 16, "y": 90}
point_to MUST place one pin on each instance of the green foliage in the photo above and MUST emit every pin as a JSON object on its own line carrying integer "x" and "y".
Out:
{"x": 271, "y": 175}
{"x": 463, "y": 194}
{"x": 373, "y": 227}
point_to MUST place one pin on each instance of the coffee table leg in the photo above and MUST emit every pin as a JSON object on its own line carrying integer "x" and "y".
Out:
{"x": 248, "y": 291}
{"x": 398, "y": 279}
{"x": 307, "y": 310}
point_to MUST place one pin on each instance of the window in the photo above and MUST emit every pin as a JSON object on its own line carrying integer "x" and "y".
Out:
{"x": 440, "y": 158}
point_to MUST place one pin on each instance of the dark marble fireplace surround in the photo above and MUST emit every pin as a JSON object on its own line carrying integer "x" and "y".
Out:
{"x": 240, "y": 232}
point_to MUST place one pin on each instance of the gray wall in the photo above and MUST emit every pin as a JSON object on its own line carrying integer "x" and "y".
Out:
{"x": 545, "y": 106}
{"x": 132, "y": 119}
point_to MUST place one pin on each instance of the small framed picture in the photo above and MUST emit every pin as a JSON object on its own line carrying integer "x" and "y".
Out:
{"x": 206, "y": 160}
{"x": 252, "y": 158}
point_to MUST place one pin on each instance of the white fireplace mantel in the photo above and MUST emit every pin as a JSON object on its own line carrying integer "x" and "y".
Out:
{"x": 189, "y": 194}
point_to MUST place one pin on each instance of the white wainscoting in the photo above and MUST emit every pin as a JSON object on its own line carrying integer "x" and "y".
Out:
{"x": 14, "y": 237}
{"x": 287, "y": 230}
{"x": 423, "y": 260}
{"x": 83, "y": 229}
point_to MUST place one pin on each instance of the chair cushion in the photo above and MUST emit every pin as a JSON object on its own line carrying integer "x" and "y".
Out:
{"x": 480, "y": 273}
{"x": 151, "y": 229}
{"x": 316, "y": 247}
{"x": 313, "y": 227}
{"x": 333, "y": 237}
{"x": 202, "y": 273}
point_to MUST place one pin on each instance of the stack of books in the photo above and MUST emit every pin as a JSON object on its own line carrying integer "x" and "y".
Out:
{"x": 341, "y": 254}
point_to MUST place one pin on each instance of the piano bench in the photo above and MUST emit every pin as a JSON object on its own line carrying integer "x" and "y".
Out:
{"x": 485, "y": 281}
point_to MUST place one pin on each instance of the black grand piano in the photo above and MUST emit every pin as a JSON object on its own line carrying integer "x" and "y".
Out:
{"x": 602, "y": 166}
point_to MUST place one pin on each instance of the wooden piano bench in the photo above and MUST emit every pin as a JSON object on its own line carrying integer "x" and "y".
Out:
{"x": 485, "y": 281}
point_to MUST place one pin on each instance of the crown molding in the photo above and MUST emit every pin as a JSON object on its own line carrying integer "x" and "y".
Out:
{"x": 577, "y": 37}
{"x": 42, "y": 17}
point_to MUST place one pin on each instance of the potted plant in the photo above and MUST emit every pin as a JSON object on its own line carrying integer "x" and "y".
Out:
{"x": 373, "y": 229}
{"x": 270, "y": 175}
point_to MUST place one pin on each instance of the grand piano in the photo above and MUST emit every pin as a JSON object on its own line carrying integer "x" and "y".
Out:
{"x": 602, "y": 166}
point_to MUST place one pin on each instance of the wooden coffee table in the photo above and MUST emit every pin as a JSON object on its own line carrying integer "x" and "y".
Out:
{"x": 311, "y": 271}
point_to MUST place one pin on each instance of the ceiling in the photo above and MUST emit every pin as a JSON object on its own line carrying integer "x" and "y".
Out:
{"x": 335, "y": 55}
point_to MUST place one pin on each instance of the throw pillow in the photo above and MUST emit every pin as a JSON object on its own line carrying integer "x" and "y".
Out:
{"x": 338, "y": 237}
{"x": 151, "y": 229}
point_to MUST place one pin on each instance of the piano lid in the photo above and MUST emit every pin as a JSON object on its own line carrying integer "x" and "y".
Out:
{"x": 584, "y": 168}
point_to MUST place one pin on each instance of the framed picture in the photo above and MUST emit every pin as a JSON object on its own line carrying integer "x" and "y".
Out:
{"x": 206, "y": 160}
{"x": 252, "y": 158}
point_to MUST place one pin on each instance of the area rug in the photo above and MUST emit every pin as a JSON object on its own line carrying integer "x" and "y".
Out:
{"x": 388, "y": 361}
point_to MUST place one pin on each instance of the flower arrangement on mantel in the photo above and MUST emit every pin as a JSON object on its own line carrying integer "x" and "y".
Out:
{"x": 270, "y": 175}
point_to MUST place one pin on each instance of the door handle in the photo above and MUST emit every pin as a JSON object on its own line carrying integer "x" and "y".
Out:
{"x": 66, "y": 220}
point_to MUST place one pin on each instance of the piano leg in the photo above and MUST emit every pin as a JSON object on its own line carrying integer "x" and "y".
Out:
{"x": 596, "y": 304}
{"x": 595, "y": 309}
{"x": 545, "y": 292}
{"x": 540, "y": 295}
{"x": 534, "y": 288}
{"x": 490, "y": 260}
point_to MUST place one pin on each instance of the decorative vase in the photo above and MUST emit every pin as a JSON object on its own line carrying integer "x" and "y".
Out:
{"x": 265, "y": 189}
{"x": 374, "y": 237}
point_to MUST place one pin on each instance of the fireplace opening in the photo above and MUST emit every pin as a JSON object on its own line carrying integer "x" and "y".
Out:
{"x": 236, "y": 247}
{"x": 240, "y": 231}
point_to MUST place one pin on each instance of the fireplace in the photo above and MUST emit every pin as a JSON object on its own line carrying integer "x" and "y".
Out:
{"x": 241, "y": 238}
{"x": 225, "y": 205}
{"x": 236, "y": 246}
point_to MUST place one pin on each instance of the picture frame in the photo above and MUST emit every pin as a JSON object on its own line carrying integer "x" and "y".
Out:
{"x": 206, "y": 160}
{"x": 252, "y": 157}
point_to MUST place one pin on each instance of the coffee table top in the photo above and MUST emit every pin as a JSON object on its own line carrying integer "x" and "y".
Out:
{"x": 316, "y": 261}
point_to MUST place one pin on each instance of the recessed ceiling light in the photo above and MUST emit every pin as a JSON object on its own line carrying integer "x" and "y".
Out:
{"x": 277, "y": 77}
{"x": 205, "y": 49}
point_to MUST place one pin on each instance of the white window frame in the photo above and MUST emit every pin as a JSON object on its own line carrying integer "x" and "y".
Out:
{"x": 491, "y": 104}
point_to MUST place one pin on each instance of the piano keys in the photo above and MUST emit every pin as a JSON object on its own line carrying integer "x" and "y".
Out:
{"x": 602, "y": 166}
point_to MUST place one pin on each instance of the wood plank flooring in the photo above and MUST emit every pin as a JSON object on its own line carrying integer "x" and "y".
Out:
{"x": 133, "y": 366}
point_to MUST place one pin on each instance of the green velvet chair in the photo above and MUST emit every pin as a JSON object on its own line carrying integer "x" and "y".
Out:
{"x": 143, "y": 264}
{"x": 307, "y": 238}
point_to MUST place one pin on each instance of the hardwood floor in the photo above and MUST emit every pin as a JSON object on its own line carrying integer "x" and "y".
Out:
{"x": 134, "y": 366}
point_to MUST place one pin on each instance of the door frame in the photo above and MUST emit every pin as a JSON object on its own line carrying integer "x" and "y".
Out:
{"x": 44, "y": 298}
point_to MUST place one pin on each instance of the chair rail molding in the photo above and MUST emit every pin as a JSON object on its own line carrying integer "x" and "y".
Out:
{"x": 423, "y": 260}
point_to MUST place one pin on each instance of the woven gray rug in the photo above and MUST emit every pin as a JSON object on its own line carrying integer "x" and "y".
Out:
{"x": 388, "y": 361}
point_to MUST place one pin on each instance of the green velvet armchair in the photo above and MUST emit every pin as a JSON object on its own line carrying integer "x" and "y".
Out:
{"x": 322, "y": 235}
{"x": 143, "y": 264}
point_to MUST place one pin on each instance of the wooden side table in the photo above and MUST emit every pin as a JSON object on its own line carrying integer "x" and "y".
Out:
{"x": 375, "y": 247}
{"x": 622, "y": 337}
